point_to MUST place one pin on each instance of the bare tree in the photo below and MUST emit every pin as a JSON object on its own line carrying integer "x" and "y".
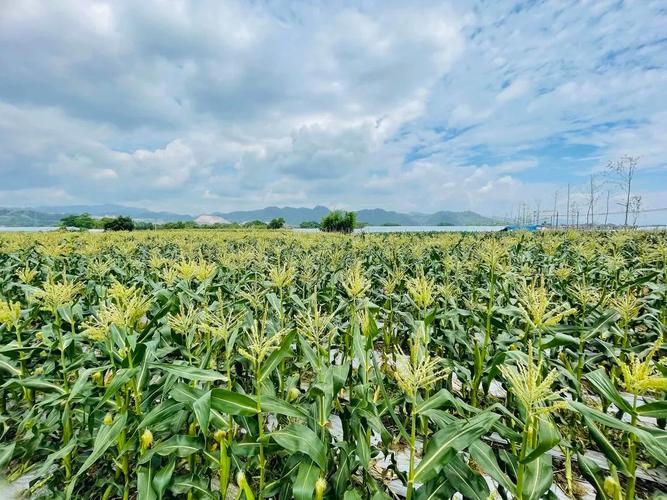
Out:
{"x": 592, "y": 198}
{"x": 635, "y": 207}
{"x": 606, "y": 214}
{"x": 568, "y": 205}
{"x": 624, "y": 169}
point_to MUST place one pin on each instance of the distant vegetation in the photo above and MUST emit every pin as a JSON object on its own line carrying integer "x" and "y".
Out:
{"x": 86, "y": 221}
{"x": 276, "y": 223}
{"x": 121, "y": 223}
{"x": 309, "y": 224}
{"x": 295, "y": 217}
{"x": 339, "y": 222}
{"x": 82, "y": 221}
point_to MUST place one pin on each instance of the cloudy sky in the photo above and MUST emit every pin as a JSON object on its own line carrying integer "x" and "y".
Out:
{"x": 219, "y": 105}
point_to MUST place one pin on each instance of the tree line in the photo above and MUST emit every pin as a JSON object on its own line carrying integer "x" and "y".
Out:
{"x": 335, "y": 221}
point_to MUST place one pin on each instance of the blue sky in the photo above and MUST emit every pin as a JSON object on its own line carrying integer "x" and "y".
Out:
{"x": 414, "y": 106}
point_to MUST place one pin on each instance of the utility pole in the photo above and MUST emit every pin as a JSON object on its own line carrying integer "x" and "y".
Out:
{"x": 555, "y": 207}
{"x": 567, "y": 222}
{"x": 606, "y": 215}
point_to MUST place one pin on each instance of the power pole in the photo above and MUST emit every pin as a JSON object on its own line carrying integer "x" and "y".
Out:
{"x": 555, "y": 206}
{"x": 568, "y": 205}
{"x": 606, "y": 215}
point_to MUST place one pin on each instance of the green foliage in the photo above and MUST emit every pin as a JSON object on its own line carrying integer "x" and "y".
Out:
{"x": 120, "y": 223}
{"x": 82, "y": 221}
{"x": 338, "y": 221}
{"x": 309, "y": 224}
{"x": 162, "y": 364}
{"x": 254, "y": 224}
{"x": 276, "y": 223}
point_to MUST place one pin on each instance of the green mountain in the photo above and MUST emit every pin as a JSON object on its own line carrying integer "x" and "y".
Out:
{"x": 25, "y": 217}
{"x": 112, "y": 210}
{"x": 466, "y": 218}
{"x": 293, "y": 215}
{"x": 373, "y": 217}
{"x": 50, "y": 216}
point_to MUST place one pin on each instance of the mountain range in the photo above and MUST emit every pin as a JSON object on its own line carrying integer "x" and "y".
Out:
{"x": 50, "y": 215}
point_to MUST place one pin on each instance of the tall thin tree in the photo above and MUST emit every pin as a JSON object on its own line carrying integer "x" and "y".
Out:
{"x": 624, "y": 169}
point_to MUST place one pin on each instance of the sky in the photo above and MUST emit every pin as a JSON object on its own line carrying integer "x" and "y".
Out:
{"x": 203, "y": 106}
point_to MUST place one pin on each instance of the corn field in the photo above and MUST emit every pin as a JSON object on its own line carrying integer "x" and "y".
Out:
{"x": 192, "y": 364}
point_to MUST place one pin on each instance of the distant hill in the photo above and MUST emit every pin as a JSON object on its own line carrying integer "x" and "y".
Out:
{"x": 293, "y": 216}
{"x": 23, "y": 217}
{"x": 374, "y": 217}
{"x": 51, "y": 215}
{"x": 466, "y": 218}
{"x": 378, "y": 217}
{"x": 111, "y": 210}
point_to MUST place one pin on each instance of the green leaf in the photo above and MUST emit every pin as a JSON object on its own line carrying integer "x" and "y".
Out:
{"x": 6, "y": 452}
{"x": 510, "y": 461}
{"x": 284, "y": 350}
{"x": 352, "y": 495}
{"x": 202, "y": 409}
{"x": 301, "y": 439}
{"x": 483, "y": 455}
{"x": 184, "y": 393}
{"x": 600, "y": 381}
{"x": 465, "y": 481}
{"x": 538, "y": 478}
{"x": 651, "y": 443}
{"x": 233, "y": 403}
{"x": 593, "y": 475}
{"x": 121, "y": 377}
{"x": 144, "y": 485}
{"x": 54, "y": 457}
{"x": 341, "y": 477}
{"x": 8, "y": 367}
{"x": 441, "y": 398}
{"x": 363, "y": 448}
{"x": 601, "y": 417}
{"x": 436, "y": 489}
{"x": 80, "y": 383}
{"x": 446, "y": 443}
{"x": 304, "y": 484}
{"x": 179, "y": 445}
{"x": 37, "y": 384}
{"x": 189, "y": 372}
{"x": 656, "y": 409}
{"x": 162, "y": 478}
{"x": 308, "y": 352}
{"x": 654, "y": 441}
{"x": 106, "y": 436}
{"x": 441, "y": 418}
{"x": 548, "y": 437}
{"x": 559, "y": 340}
{"x": 282, "y": 407}
{"x": 608, "y": 449}
{"x": 183, "y": 484}
{"x": 161, "y": 413}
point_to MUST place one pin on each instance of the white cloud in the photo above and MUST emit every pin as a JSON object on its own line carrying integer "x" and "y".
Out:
{"x": 198, "y": 106}
{"x": 513, "y": 91}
